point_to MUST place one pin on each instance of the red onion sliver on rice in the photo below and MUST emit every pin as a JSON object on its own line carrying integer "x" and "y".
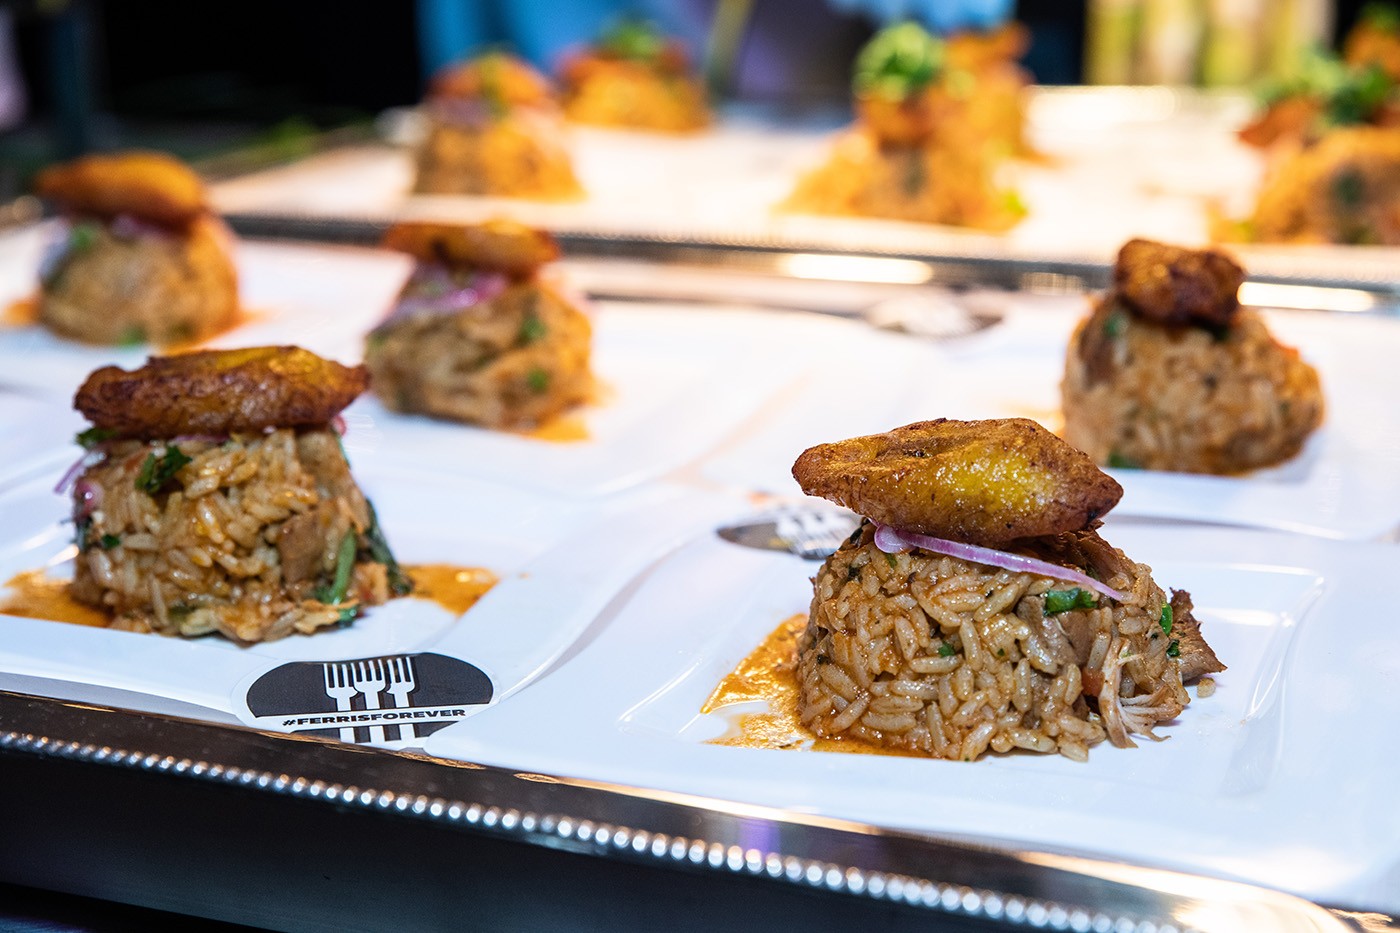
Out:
{"x": 892, "y": 541}
{"x": 90, "y": 495}
{"x": 484, "y": 287}
{"x": 70, "y": 474}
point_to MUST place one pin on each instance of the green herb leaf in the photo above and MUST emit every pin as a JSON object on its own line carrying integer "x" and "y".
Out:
{"x": 93, "y": 436}
{"x": 344, "y": 565}
{"x": 946, "y": 650}
{"x": 109, "y": 541}
{"x": 1118, "y": 461}
{"x": 1174, "y": 649}
{"x": 634, "y": 38}
{"x": 399, "y": 582}
{"x": 1349, "y": 189}
{"x": 892, "y": 561}
{"x": 156, "y": 472}
{"x": 1058, "y": 601}
{"x": 532, "y": 329}
{"x": 898, "y": 61}
{"x": 538, "y": 380}
{"x": 83, "y": 236}
{"x": 1116, "y": 324}
{"x": 1165, "y": 619}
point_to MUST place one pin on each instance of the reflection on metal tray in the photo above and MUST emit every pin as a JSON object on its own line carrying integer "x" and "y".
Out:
{"x": 1119, "y": 162}
{"x": 444, "y": 836}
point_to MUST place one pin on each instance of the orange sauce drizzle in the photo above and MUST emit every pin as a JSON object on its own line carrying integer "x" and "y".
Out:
{"x": 563, "y": 429}
{"x": 21, "y": 313}
{"x": 34, "y": 595}
{"x": 769, "y": 675}
{"x": 454, "y": 588}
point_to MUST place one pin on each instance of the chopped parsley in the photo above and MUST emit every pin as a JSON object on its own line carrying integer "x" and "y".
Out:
{"x": 1165, "y": 619}
{"x": 157, "y": 472}
{"x": 892, "y": 561}
{"x": 946, "y": 650}
{"x": 93, "y": 436}
{"x": 538, "y": 380}
{"x": 109, "y": 541}
{"x": 1058, "y": 601}
{"x": 1174, "y": 649}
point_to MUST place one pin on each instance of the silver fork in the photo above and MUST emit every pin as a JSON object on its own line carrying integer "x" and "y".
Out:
{"x": 340, "y": 689}
{"x": 401, "y": 684}
{"x": 369, "y": 680}
{"x": 813, "y": 533}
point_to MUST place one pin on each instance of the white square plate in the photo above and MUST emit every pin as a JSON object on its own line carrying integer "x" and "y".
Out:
{"x": 1280, "y": 777}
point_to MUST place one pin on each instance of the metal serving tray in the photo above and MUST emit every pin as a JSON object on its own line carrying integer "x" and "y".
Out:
{"x": 306, "y": 834}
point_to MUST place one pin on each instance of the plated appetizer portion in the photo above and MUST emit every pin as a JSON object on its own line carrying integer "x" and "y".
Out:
{"x": 216, "y": 498}
{"x": 479, "y": 334}
{"x": 141, "y": 258}
{"x": 924, "y": 146}
{"x": 977, "y": 608}
{"x": 636, "y": 78}
{"x": 1331, "y": 139}
{"x": 1169, "y": 372}
{"x": 494, "y": 128}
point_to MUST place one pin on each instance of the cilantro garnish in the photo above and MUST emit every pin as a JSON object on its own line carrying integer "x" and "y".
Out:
{"x": 899, "y": 61}
{"x": 946, "y": 650}
{"x": 93, "y": 436}
{"x": 532, "y": 329}
{"x": 156, "y": 472}
{"x": 1165, "y": 619}
{"x": 538, "y": 380}
{"x": 1058, "y": 601}
{"x": 1174, "y": 649}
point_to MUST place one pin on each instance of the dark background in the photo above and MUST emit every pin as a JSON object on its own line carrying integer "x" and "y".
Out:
{"x": 197, "y": 77}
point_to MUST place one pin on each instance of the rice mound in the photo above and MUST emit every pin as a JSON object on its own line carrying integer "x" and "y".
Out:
{"x": 934, "y": 654}
{"x": 1187, "y": 399}
{"x": 512, "y": 361}
{"x": 635, "y": 96}
{"x": 246, "y": 539}
{"x": 1343, "y": 189}
{"x": 519, "y": 155}
{"x": 161, "y": 288}
{"x": 950, "y": 183}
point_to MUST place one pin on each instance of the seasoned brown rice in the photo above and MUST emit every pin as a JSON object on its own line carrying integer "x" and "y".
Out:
{"x": 249, "y": 538}
{"x": 1140, "y": 394}
{"x": 935, "y": 654}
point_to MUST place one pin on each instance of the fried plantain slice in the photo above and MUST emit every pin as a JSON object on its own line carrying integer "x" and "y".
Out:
{"x": 497, "y": 245}
{"x": 150, "y": 186}
{"x": 1178, "y": 286}
{"x": 979, "y": 482}
{"x": 219, "y": 392}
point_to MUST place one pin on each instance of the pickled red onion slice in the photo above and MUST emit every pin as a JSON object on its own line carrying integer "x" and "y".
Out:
{"x": 892, "y": 541}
